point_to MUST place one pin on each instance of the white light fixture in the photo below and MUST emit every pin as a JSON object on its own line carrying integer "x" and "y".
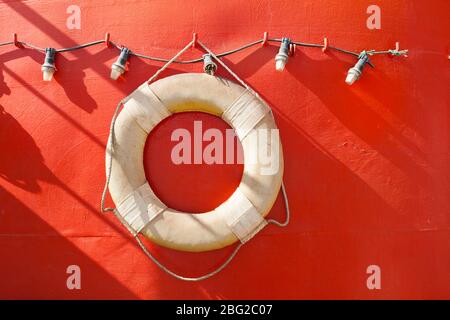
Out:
{"x": 118, "y": 67}
{"x": 354, "y": 73}
{"x": 283, "y": 54}
{"x": 48, "y": 68}
{"x": 208, "y": 64}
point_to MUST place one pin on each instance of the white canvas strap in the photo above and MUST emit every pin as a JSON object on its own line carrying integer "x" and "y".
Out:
{"x": 245, "y": 113}
{"x": 242, "y": 217}
{"x": 140, "y": 207}
{"x": 146, "y": 108}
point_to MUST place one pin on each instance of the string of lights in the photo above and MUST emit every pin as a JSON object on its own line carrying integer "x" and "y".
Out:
{"x": 287, "y": 48}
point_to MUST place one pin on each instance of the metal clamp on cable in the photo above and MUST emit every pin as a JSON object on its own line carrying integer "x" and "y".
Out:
{"x": 48, "y": 68}
{"x": 119, "y": 67}
{"x": 208, "y": 64}
{"x": 354, "y": 73}
{"x": 283, "y": 54}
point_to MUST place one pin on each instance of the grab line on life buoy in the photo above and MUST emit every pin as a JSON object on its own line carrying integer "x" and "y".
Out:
{"x": 239, "y": 218}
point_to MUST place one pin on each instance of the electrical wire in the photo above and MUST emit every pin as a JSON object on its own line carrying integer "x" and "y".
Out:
{"x": 31, "y": 46}
{"x": 6, "y": 43}
{"x": 223, "y": 54}
{"x": 89, "y": 44}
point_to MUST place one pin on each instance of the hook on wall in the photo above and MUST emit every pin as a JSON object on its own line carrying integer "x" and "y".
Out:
{"x": 325, "y": 45}
{"x": 292, "y": 48}
{"x": 107, "y": 42}
{"x": 16, "y": 42}
{"x": 265, "y": 39}
{"x": 194, "y": 40}
{"x": 397, "y": 51}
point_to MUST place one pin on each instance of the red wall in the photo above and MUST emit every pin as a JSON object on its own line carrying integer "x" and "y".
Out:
{"x": 367, "y": 166}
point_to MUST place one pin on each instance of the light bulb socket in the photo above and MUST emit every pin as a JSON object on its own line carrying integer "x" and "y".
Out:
{"x": 355, "y": 72}
{"x": 208, "y": 64}
{"x": 49, "y": 62}
{"x": 122, "y": 59}
{"x": 283, "y": 54}
{"x": 363, "y": 59}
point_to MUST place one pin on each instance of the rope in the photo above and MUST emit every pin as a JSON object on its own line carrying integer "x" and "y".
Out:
{"x": 286, "y": 206}
{"x": 111, "y": 146}
{"x": 111, "y": 143}
{"x": 194, "y": 279}
{"x": 169, "y": 62}
{"x": 228, "y": 69}
{"x": 392, "y": 52}
{"x": 230, "y": 257}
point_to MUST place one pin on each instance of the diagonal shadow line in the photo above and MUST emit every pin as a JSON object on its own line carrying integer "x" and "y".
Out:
{"x": 71, "y": 251}
{"x": 42, "y": 173}
{"x": 55, "y": 107}
{"x": 78, "y": 96}
{"x": 396, "y": 148}
{"x": 89, "y": 134}
{"x": 97, "y": 212}
{"x": 16, "y": 53}
{"x": 45, "y": 26}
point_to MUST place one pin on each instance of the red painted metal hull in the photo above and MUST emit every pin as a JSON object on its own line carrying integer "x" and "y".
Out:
{"x": 366, "y": 167}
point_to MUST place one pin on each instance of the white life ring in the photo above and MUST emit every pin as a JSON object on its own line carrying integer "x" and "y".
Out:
{"x": 239, "y": 217}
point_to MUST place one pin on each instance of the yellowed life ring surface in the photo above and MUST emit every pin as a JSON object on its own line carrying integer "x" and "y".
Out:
{"x": 239, "y": 217}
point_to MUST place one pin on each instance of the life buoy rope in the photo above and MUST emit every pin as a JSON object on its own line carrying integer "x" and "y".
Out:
{"x": 157, "y": 207}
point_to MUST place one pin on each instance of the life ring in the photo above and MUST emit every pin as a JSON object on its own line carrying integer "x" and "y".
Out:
{"x": 239, "y": 217}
